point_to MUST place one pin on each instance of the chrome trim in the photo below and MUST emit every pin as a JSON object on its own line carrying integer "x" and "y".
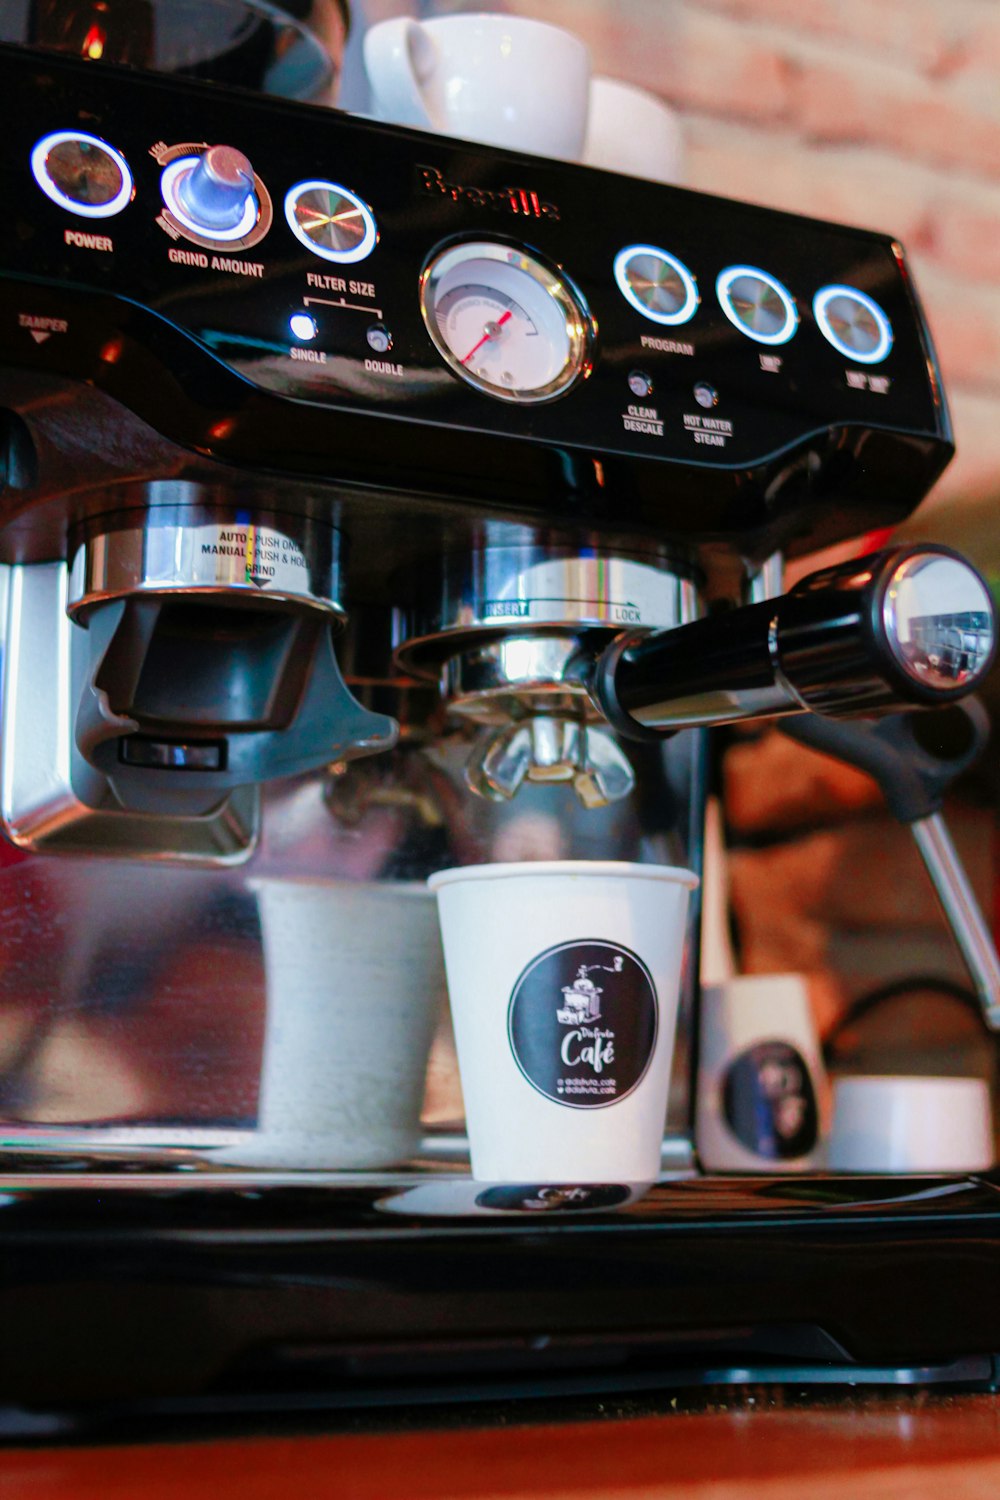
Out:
{"x": 965, "y": 919}
{"x": 723, "y": 290}
{"x": 444, "y": 1153}
{"x": 784, "y": 692}
{"x": 821, "y": 304}
{"x": 198, "y": 557}
{"x": 937, "y": 615}
{"x": 768, "y": 582}
{"x": 532, "y": 670}
{"x": 692, "y": 296}
{"x": 578, "y": 323}
{"x": 177, "y": 224}
{"x": 514, "y": 590}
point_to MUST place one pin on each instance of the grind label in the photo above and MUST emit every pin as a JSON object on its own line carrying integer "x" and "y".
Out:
{"x": 582, "y": 1023}
{"x": 769, "y": 1102}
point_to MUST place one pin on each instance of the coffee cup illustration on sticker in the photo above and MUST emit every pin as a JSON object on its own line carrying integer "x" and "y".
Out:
{"x": 582, "y": 1023}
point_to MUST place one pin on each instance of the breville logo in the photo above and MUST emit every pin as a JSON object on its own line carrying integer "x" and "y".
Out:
{"x": 510, "y": 200}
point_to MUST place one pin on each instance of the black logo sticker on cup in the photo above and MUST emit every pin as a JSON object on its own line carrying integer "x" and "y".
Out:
{"x": 582, "y": 1023}
{"x": 553, "y": 1197}
{"x": 769, "y": 1101}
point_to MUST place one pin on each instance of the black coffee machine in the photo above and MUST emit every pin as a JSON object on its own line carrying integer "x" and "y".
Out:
{"x": 363, "y": 490}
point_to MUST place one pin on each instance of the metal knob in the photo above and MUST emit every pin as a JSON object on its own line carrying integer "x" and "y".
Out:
{"x": 215, "y": 193}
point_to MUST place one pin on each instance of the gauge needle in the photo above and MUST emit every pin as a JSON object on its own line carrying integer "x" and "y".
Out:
{"x": 492, "y": 329}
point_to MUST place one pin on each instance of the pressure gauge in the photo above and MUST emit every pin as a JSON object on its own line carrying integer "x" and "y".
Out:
{"x": 505, "y": 322}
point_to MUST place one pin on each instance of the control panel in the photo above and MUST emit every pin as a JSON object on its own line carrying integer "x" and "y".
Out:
{"x": 368, "y": 269}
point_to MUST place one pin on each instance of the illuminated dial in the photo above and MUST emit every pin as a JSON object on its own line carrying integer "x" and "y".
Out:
{"x": 656, "y": 283}
{"x": 853, "y": 323}
{"x": 82, "y": 174}
{"x": 757, "y": 304}
{"x": 331, "y": 221}
{"x": 505, "y": 322}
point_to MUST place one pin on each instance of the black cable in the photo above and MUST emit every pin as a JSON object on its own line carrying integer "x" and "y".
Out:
{"x": 936, "y": 983}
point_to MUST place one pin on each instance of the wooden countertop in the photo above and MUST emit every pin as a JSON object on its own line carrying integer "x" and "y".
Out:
{"x": 744, "y": 1445}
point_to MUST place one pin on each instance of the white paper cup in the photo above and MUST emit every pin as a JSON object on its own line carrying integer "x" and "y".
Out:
{"x": 564, "y": 981}
{"x": 760, "y": 1076}
{"x": 354, "y": 980}
{"x": 910, "y": 1125}
{"x": 505, "y": 80}
{"x": 632, "y": 131}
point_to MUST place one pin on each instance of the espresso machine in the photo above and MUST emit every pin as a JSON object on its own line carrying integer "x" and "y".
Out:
{"x": 376, "y": 502}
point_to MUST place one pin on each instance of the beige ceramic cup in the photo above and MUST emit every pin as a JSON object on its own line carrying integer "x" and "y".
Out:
{"x": 354, "y": 981}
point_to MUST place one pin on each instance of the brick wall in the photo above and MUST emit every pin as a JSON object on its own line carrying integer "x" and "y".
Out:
{"x": 882, "y": 113}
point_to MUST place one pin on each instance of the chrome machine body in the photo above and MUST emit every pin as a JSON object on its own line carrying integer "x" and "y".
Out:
{"x": 369, "y": 498}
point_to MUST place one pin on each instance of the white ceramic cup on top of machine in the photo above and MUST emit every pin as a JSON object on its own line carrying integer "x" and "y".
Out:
{"x": 630, "y": 130}
{"x": 911, "y": 1125}
{"x": 503, "y": 80}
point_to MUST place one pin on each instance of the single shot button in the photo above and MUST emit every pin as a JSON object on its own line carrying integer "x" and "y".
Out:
{"x": 303, "y": 326}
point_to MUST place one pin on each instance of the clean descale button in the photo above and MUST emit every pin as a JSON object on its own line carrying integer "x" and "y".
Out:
{"x": 640, "y": 384}
{"x": 82, "y": 174}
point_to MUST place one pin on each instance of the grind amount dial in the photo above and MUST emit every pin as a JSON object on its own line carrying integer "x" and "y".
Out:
{"x": 505, "y": 322}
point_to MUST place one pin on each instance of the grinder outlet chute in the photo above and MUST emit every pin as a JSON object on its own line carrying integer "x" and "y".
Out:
{"x": 211, "y": 659}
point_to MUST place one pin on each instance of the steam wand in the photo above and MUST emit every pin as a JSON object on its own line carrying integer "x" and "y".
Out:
{"x": 910, "y": 626}
{"x": 914, "y": 758}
